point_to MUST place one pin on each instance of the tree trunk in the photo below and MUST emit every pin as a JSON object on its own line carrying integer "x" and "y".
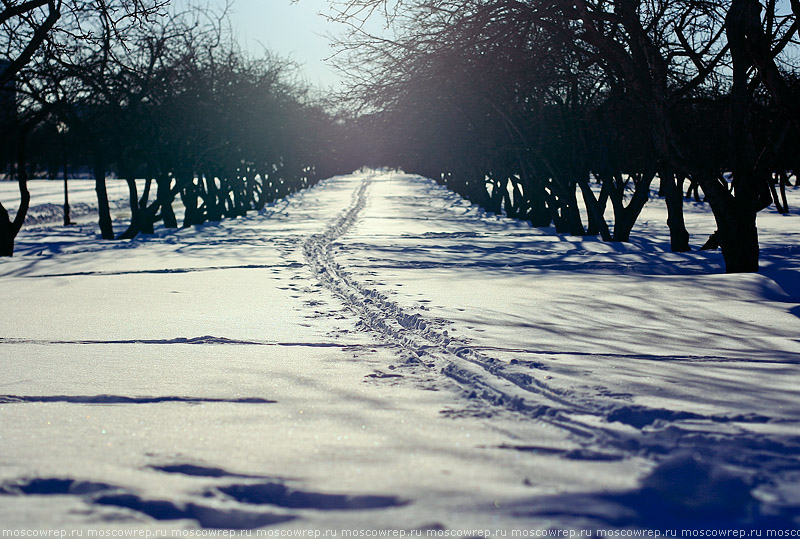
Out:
{"x": 736, "y": 233}
{"x": 571, "y": 212}
{"x": 250, "y": 189}
{"x": 538, "y": 213}
{"x": 136, "y": 212}
{"x": 673, "y": 195}
{"x": 164, "y": 199}
{"x": 190, "y": 194}
{"x": 242, "y": 195}
{"x": 535, "y": 201}
{"x": 739, "y": 243}
{"x": 625, "y": 216}
{"x": 7, "y": 234}
{"x": 266, "y": 195}
{"x": 147, "y": 212}
{"x": 783, "y": 179}
{"x": 67, "y": 217}
{"x": 214, "y": 202}
{"x": 9, "y": 229}
{"x": 693, "y": 190}
{"x": 595, "y": 208}
{"x": 735, "y": 212}
{"x": 781, "y": 204}
{"x": 103, "y": 208}
{"x": 495, "y": 205}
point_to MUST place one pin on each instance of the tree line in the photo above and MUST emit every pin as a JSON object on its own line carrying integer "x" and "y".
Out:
{"x": 554, "y": 110}
{"x": 134, "y": 88}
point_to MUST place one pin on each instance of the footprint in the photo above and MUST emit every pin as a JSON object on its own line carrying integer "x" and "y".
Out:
{"x": 201, "y": 471}
{"x": 382, "y": 375}
{"x": 206, "y": 516}
{"x": 103, "y": 494}
{"x": 283, "y": 496}
{"x": 53, "y": 486}
{"x": 570, "y": 454}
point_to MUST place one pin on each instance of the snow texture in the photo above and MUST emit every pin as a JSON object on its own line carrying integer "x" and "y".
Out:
{"x": 376, "y": 353}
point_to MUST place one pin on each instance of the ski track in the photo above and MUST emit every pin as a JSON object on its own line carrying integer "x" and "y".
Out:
{"x": 605, "y": 428}
{"x": 595, "y": 420}
{"x": 480, "y": 376}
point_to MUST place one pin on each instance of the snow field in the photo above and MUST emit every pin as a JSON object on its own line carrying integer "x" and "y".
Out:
{"x": 47, "y": 200}
{"x": 376, "y": 353}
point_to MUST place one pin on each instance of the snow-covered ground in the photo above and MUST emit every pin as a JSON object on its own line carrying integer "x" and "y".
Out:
{"x": 47, "y": 200}
{"x": 374, "y": 353}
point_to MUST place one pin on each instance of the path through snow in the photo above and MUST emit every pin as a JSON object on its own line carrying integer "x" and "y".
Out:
{"x": 376, "y": 353}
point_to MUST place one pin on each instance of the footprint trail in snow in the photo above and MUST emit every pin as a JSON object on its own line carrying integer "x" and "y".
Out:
{"x": 605, "y": 426}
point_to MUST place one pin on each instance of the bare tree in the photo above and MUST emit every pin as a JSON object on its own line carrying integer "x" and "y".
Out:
{"x": 656, "y": 57}
{"x": 35, "y": 37}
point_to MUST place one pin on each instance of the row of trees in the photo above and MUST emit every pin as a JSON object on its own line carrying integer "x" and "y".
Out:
{"x": 130, "y": 87}
{"x": 527, "y": 105}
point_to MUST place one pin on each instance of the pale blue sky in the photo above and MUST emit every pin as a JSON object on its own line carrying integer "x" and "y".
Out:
{"x": 289, "y": 29}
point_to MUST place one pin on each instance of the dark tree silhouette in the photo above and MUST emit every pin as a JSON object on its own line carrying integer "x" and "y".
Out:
{"x": 531, "y": 100}
{"x": 172, "y": 105}
{"x": 37, "y": 36}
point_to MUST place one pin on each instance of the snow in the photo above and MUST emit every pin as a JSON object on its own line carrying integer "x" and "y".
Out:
{"x": 375, "y": 353}
{"x": 47, "y": 200}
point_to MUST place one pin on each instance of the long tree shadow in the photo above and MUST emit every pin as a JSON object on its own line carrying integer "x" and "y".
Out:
{"x": 122, "y": 399}
{"x": 237, "y": 506}
{"x": 685, "y": 493}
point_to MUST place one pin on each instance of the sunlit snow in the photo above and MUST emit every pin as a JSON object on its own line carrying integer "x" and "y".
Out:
{"x": 376, "y": 353}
